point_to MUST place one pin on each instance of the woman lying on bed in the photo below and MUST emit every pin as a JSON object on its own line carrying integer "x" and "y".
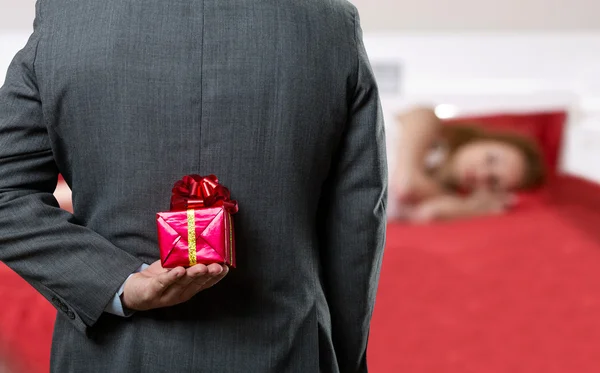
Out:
{"x": 453, "y": 171}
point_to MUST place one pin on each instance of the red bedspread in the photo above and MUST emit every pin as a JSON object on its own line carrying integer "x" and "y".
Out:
{"x": 26, "y": 324}
{"x": 514, "y": 293}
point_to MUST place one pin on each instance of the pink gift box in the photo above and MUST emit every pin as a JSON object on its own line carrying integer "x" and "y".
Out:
{"x": 199, "y": 227}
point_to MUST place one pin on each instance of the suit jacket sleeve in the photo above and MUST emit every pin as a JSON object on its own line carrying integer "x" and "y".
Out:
{"x": 352, "y": 207}
{"x": 75, "y": 268}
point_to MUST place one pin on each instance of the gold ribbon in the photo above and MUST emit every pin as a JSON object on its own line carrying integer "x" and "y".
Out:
{"x": 191, "y": 220}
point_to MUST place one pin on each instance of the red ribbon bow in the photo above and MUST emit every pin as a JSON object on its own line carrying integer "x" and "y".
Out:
{"x": 195, "y": 191}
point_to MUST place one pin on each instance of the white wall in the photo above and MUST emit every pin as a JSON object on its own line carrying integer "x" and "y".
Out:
{"x": 510, "y": 15}
{"x": 10, "y": 43}
{"x": 16, "y": 15}
{"x": 411, "y": 15}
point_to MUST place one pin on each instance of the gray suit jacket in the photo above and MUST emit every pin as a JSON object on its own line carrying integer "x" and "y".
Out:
{"x": 124, "y": 97}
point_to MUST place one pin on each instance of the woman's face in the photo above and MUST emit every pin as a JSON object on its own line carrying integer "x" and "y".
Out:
{"x": 488, "y": 164}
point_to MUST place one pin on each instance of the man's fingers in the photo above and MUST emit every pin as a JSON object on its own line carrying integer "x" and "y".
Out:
{"x": 178, "y": 285}
{"x": 197, "y": 271}
{"x": 215, "y": 279}
{"x": 216, "y": 272}
{"x": 193, "y": 273}
{"x": 194, "y": 281}
{"x": 204, "y": 282}
{"x": 215, "y": 269}
{"x": 197, "y": 287}
{"x": 204, "y": 274}
{"x": 163, "y": 281}
{"x": 177, "y": 292}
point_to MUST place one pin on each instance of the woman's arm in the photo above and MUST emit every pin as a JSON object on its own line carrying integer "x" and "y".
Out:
{"x": 449, "y": 207}
{"x": 420, "y": 129}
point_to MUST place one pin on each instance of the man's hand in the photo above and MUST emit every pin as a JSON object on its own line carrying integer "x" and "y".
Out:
{"x": 157, "y": 287}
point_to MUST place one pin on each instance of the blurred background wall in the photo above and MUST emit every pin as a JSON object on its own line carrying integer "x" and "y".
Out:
{"x": 425, "y": 15}
{"x": 479, "y": 15}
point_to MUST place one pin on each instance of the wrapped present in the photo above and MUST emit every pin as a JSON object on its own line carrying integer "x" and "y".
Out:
{"x": 199, "y": 226}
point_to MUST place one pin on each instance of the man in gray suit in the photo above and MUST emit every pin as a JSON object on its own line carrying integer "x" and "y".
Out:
{"x": 123, "y": 98}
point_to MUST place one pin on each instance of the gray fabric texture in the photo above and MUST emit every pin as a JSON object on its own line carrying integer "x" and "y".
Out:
{"x": 123, "y": 98}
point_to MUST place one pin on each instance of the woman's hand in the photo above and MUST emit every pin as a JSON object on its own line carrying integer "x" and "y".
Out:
{"x": 484, "y": 202}
{"x": 412, "y": 186}
{"x": 450, "y": 207}
{"x": 407, "y": 190}
{"x": 404, "y": 194}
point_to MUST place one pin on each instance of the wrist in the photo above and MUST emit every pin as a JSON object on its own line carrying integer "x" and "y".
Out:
{"x": 124, "y": 296}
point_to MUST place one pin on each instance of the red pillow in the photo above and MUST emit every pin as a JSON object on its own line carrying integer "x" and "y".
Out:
{"x": 546, "y": 128}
